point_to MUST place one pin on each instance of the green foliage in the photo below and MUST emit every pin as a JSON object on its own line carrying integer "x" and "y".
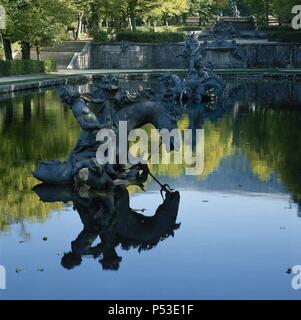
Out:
{"x": 100, "y": 36}
{"x": 166, "y": 8}
{"x": 49, "y": 65}
{"x": 205, "y": 9}
{"x": 19, "y": 67}
{"x": 172, "y": 28}
{"x": 150, "y": 37}
{"x": 190, "y": 28}
{"x": 40, "y": 23}
{"x": 277, "y": 8}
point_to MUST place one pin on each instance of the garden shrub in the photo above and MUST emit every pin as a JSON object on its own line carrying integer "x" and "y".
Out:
{"x": 150, "y": 36}
{"x": 49, "y": 65}
{"x": 20, "y": 67}
{"x": 100, "y": 36}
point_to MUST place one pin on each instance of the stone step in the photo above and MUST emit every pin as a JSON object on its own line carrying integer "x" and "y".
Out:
{"x": 62, "y": 54}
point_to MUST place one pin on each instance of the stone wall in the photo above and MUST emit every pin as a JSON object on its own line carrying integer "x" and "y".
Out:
{"x": 134, "y": 56}
{"x": 167, "y": 56}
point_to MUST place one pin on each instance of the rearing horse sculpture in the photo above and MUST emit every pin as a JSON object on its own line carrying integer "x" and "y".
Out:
{"x": 137, "y": 114}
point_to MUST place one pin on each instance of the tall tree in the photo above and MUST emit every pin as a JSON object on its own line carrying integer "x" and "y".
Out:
{"x": 165, "y": 9}
{"x": 37, "y": 23}
{"x": 5, "y": 33}
{"x": 206, "y": 9}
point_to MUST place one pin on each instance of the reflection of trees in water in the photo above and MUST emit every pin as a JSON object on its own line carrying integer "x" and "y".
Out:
{"x": 38, "y": 128}
{"x": 218, "y": 145}
{"x": 31, "y": 129}
{"x": 272, "y": 142}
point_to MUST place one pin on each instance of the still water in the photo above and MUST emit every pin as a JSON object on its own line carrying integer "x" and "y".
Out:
{"x": 238, "y": 227}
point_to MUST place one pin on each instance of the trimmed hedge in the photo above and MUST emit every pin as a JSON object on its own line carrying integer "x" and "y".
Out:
{"x": 282, "y": 36}
{"x": 150, "y": 36}
{"x": 191, "y": 28}
{"x": 19, "y": 67}
{"x": 100, "y": 36}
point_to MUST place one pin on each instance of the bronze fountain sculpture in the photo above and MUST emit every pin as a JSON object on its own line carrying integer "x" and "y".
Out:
{"x": 162, "y": 109}
{"x": 99, "y": 191}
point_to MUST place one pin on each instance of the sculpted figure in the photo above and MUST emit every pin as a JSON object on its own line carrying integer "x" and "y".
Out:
{"x": 81, "y": 169}
{"x": 201, "y": 83}
{"x": 162, "y": 109}
{"x": 55, "y": 172}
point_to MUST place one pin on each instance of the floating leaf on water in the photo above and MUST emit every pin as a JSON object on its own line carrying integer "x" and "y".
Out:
{"x": 45, "y": 238}
{"x": 18, "y": 270}
{"x": 289, "y": 271}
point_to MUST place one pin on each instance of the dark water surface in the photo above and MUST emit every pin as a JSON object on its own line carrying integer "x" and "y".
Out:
{"x": 240, "y": 220}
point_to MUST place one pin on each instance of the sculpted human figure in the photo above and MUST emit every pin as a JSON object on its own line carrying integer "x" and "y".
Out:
{"x": 83, "y": 154}
{"x": 82, "y": 168}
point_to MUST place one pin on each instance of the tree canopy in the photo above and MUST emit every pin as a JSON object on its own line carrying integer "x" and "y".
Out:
{"x": 36, "y": 23}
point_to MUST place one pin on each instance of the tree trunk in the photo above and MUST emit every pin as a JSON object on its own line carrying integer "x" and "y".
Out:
{"x": 134, "y": 23}
{"x": 25, "y": 48}
{"x": 79, "y": 26}
{"x": 130, "y": 23}
{"x": 26, "y": 108}
{"x": 200, "y": 21}
{"x": 155, "y": 26}
{"x": 7, "y": 49}
{"x": 38, "y": 53}
{"x": 145, "y": 23}
{"x": 9, "y": 114}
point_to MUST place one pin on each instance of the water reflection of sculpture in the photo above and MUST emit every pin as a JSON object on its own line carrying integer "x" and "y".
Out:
{"x": 109, "y": 217}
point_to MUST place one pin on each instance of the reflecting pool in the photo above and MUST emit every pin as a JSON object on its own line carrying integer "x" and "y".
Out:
{"x": 231, "y": 233}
